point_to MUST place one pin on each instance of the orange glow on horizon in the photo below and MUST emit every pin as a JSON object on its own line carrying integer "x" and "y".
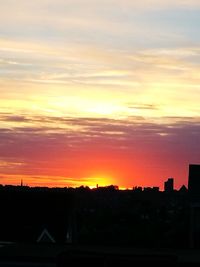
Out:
{"x": 98, "y": 181}
{"x": 55, "y": 181}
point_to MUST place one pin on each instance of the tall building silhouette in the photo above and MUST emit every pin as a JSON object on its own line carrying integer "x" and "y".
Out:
{"x": 169, "y": 185}
{"x": 194, "y": 179}
{"x": 194, "y": 191}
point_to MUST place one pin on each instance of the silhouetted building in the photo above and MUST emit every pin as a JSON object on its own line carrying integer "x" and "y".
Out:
{"x": 137, "y": 188}
{"x": 155, "y": 188}
{"x": 195, "y": 225}
{"x": 151, "y": 189}
{"x": 194, "y": 179}
{"x": 169, "y": 185}
{"x": 194, "y": 191}
{"x": 183, "y": 189}
{"x": 106, "y": 216}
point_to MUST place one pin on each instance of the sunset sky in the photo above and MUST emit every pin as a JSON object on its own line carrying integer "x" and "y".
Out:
{"x": 99, "y": 92}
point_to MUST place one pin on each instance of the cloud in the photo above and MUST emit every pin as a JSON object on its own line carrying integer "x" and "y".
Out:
{"x": 13, "y": 118}
{"x": 42, "y": 139}
{"x": 118, "y": 24}
{"x": 142, "y": 106}
{"x": 77, "y": 147}
{"x": 66, "y": 65}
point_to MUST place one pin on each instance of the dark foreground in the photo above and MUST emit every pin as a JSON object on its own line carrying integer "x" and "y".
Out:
{"x": 36, "y": 255}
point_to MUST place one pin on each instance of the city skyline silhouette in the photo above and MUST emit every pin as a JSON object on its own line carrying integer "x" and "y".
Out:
{"x": 90, "y": 226}
{"x": 99, "y": 133}
{"x": 99, "y": 92}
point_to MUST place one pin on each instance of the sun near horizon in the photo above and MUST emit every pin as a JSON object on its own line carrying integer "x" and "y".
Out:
{"x": 99, "y": 92}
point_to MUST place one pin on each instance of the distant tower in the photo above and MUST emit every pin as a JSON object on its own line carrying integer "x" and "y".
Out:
{"x": 169, "y": 185}
{"x": 22, "y": 183}
{"x": 194, "y": 179}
